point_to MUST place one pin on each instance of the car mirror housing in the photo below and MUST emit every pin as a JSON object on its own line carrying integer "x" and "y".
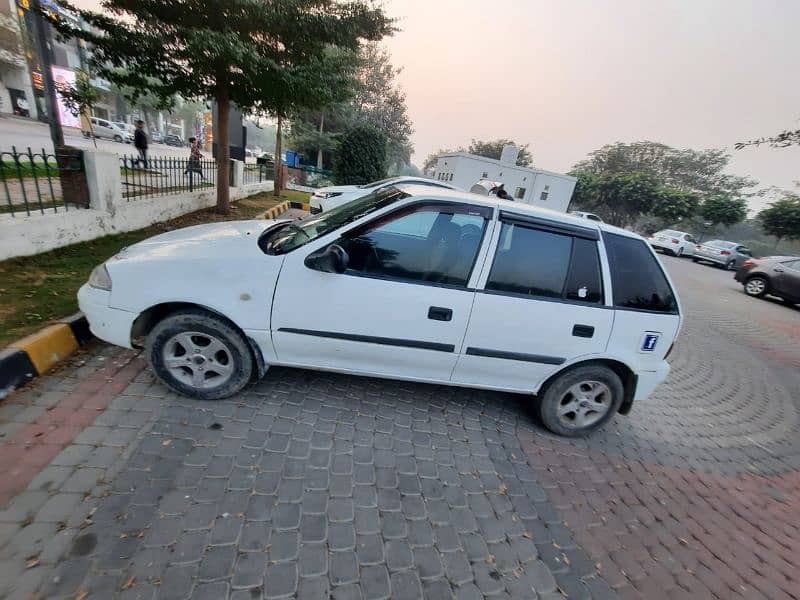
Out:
{"x": 331, "y": 259}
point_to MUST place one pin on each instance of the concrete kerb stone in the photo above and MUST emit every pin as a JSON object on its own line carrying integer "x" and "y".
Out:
{"x": 275, "y": 211}
{"x": 34, "y": 355}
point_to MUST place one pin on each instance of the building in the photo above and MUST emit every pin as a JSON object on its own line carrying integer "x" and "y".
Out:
{"x": 16, "y": 91}
{"x": 524, "y": 184}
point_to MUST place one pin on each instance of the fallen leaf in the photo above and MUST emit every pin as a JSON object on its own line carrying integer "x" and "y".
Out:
{"x": 491, "y": 560}
{"x": 166, "y": 442}
{"x": 503, "y": 489}
{"x": 129, "y": 583}
{"x": 123, "y": 536}
{"x": 81, "y": 595}
{"x": 683, "y": 541}
{"x": 527, "y": 535}
{"x": 32, "y": 562}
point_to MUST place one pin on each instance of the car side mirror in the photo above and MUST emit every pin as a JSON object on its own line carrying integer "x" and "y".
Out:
{"x": 332, "y": 259}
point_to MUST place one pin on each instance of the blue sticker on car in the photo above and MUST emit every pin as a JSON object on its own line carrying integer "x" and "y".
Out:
{"x": 649, "y": 342}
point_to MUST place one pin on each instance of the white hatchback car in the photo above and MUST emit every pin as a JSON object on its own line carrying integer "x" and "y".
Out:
{"x": 677, "y": 243}
{"x": 407, "y": 283}
{"x": 332, "y": 196}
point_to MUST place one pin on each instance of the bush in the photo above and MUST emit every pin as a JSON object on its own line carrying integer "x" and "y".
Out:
{"x": 361, "y": 156}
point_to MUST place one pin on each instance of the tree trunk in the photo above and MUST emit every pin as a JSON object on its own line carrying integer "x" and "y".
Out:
{"x": 321, "y": 127}
{"x": 223, "y": 153}
{"x": 777, "y": 241}
{"x": 278, "y": 185}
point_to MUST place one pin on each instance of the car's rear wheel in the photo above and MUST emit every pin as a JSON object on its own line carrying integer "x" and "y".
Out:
{"x": 199, "y": 354}
{"x": 679, "y": 252}
{"x": 756, "y": 286}
{"x": 695, "y": 259}
{"x": 580, "y": 400}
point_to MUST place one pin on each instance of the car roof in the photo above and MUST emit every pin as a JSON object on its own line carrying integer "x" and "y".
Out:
{"x": 436, "y": 193}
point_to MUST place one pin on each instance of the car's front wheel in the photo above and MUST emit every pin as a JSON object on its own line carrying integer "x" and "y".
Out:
{"x": 199, "y": 354}
{"x": 695, "y": 259}
{"x": 580, "y": 400}
{"x": 756, "y": 287}
{"x": 118, "y": 138}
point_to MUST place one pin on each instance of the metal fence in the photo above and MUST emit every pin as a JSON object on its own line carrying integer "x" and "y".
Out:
{"x": 258, "y": 173}
{"x": 161, "y": 175}
{"x": 30, "y": 182}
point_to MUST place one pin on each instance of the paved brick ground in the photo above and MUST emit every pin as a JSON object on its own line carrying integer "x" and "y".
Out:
{"x": 313, "y": 485}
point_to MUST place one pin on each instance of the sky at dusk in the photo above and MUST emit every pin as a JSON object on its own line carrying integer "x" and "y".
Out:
{"x": 569, "y": 76}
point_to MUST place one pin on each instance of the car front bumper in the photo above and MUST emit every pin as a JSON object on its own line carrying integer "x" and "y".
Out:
{"x": 720, "y": 260}
{"x": 111, "y": 325}
{"x": 648, "y": 381}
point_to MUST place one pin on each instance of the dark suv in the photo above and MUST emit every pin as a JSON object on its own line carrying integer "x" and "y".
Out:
{"x": 774, "y": 275}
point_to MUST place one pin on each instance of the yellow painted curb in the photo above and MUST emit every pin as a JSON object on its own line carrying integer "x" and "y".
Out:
{"x": 275, "y": 211}
{"x": 48, "y": 346}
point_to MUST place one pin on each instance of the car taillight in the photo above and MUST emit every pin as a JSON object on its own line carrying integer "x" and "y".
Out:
{"x": 674, "y": 241}
{"x": 749, "y": 263}
{"x": 724, "y": 252}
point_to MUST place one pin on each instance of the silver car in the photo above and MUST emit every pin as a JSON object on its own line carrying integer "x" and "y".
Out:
{"x": 729, "y": 255}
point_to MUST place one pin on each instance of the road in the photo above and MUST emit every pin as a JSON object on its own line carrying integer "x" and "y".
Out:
{"x": 314, "y": 485}
{"x": 22, "y": 134}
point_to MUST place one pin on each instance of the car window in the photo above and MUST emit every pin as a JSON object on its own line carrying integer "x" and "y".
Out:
{"x": 670, "y": 232}
{"x": 287, "y": 236}
{"x": 434, "y": 244}
{"x": 636, "y": 276}
{"x": 720, "y": 244}
{"x": 743, "y": 250}
{"x": 793, "y": 264}
{"x": 545, "y": 264}
{"x": 375, "y": 184}
{"x": 688, "y": 238}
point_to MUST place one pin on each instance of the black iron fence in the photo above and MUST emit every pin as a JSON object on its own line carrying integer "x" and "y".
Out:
{"x": 258, "y": 173}
{"x": 160, "y": 175}
{"x": 31, "y": 182}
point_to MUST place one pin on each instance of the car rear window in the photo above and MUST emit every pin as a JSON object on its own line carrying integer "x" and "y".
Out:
{"x": 720, "y": 244}
{"x": 670, "y": 232}
{"x": 637, "y": 278}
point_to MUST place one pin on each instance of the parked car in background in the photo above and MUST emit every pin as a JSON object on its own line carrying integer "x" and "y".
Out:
{"x": 409, "y": 282}
{"x": 586, "y": 215}
{"x": 774, "y": 275}
{"x": 173, "y": 140}
{"x": 157, "y": 137}
{"x": 127, "y": 127}
{"x": 670, "y": 241}
{"x": 330, "y": 197}
{"x": 103, "y": 128}
{"x": 729, "y": 255}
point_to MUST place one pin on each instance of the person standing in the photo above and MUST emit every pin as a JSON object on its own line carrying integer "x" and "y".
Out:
{"x": 140, "y": 141}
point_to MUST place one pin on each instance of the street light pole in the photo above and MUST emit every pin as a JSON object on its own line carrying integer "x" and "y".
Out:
{"x": 46, "y": 62}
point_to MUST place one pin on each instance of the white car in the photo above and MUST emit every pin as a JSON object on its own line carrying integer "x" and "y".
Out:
{"x": 326, "y": 198}
{"x": 103, "y": 128}
{"x": 411, "y": 283}
{"x": 586, "y": 215}
{"x": 677, "y": 243}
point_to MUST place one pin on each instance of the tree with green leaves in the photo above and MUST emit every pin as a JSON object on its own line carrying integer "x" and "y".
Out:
{"x": 360, "y": 156}
{"x": 673, "y": 205}
{"x": 494, "y": 148}
{"x": 782, "y": 218}
{"x": 723, "y": 210}
{"x": 619, "y": 198}
{"x": 80, "y": 99}
{"x": 267, "y": 56}
{"x": 788, "y": 137}
{"x": 433, "y": 158}
{"x": 702, "y": 172}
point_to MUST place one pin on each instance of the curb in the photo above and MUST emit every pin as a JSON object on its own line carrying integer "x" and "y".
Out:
{"x": 32, "y": 356}
{"x": 276, "y": 210}
{"x": 301, "y": 205}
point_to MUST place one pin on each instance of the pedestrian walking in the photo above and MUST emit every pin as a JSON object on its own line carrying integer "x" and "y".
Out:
{"x": 140, "y": 141}
{"x": 195, "y": 156}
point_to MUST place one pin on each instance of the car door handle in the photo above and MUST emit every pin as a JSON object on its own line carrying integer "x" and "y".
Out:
{"x": 778, "y": 270}
{"x": 585, "y": 331}
{"x": 437, "y": 313}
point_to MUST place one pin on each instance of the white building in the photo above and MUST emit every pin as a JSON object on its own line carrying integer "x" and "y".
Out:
{"x": 531, "y": 186}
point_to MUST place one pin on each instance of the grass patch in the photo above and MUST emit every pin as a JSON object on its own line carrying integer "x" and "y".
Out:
{"x": 28, "y": 169}
{"x": 35, "y": 290}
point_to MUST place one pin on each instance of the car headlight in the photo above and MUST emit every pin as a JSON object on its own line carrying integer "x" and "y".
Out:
{"x": 100, "y": 278}
{"x": 326, "y": 195}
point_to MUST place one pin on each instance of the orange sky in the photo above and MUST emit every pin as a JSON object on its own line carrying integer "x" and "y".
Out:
{"x": 568, "y": 76}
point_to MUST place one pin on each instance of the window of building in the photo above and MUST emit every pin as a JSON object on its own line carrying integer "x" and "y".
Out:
{"x": 519, "y": 192}
{"x": 428, "y": 244}
{"x": 451, "y": 177}
{"x": 484, "y": 175}
{"x": 545, "y": 193}
{"x": 636, "y": 276}
{"x": 545, "y": 264}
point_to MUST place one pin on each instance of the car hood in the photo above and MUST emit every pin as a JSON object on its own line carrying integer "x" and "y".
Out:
{"x": 232, "y": 237}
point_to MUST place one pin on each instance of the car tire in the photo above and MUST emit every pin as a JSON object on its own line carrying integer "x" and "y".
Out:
{"x": 118, "y": 139}
{"x": 679, "y": 253}
{"x": 730, "y": 265}
{"x": 756, "y": 286}
{"x": 218, "y": 360}
{"x": 695, "y": 259}
{"x": 579, "y": 389}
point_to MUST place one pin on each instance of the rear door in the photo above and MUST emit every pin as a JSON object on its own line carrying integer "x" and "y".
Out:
{"x": 785, "y": 279}
{"x": 539, "y": 304}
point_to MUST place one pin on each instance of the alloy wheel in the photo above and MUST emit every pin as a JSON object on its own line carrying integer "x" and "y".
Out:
{"x": 755, "y": 286}
{"x": 198, "y": 359}
{"x": 584, "y": 404}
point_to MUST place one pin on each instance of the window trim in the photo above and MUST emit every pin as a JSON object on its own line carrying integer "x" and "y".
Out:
{"x": 486, "y": 212}
{"x": 603, "y": 302}
{"x": 549, "y": 225}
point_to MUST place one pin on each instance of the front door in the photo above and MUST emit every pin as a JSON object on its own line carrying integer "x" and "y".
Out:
{"x": 402, "y": 306}
{"x": 541, "y": 306}
{"x": 785, "y": 279}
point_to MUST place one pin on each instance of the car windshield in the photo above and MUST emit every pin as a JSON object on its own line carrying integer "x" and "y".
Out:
{"x": 720, "y": 244}
{"x": 374, "y": 184}
{"x": 289, "y": 235}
